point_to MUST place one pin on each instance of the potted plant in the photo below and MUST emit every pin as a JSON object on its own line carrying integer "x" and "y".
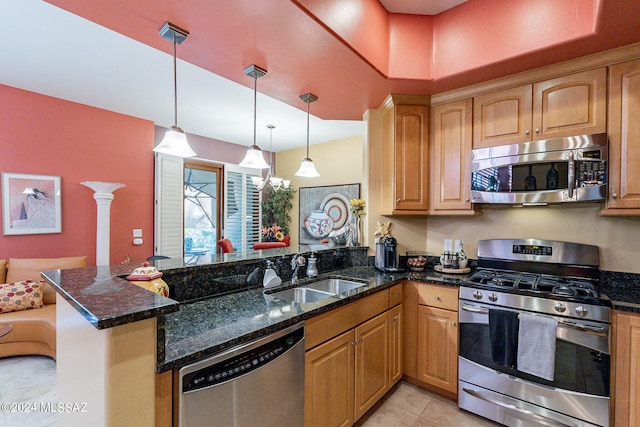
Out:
{"x": 276, "y": 206}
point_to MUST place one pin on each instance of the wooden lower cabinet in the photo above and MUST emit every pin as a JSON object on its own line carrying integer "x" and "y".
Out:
{"x": 430, "y": 341}
{"x": 627, "y": 370}
{"x": 438, "y": 347}
{"x": 346, "y": 375}
{"x": 395, "y": 344}
{"x": 372, "y": 363}
{"x": 329, "y": 386}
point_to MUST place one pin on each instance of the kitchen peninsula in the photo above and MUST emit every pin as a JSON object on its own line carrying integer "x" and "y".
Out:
{"x": 117, "y": 340}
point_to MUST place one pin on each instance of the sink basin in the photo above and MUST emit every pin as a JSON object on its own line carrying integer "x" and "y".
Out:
{"x": 335, "y": 286}
{"x": 301, "y": 295}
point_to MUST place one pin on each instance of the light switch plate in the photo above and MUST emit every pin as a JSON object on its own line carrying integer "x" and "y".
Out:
{"x": 137, "y": 232}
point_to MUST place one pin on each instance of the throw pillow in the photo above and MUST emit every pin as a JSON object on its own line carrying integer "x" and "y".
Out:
{"x": 21, "y": 296}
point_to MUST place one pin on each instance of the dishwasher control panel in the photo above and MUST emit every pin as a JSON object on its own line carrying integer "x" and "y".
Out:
{"x": 241, "y": 364}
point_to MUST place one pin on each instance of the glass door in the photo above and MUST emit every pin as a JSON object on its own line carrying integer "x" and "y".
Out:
{"x": 202, "y": 207}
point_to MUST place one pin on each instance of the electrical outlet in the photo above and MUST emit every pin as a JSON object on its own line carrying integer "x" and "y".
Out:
{"x": 137, "y": 232}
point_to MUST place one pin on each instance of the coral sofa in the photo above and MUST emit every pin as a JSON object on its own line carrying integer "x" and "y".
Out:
{"x": 34, "y": 330}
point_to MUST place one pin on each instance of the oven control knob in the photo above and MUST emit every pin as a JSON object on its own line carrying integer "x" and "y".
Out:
{"x": 560, "y": 307}
{"x": 493, "y": 297}
{"x": 477, "y": 295}
{"x": 582, "y": 311}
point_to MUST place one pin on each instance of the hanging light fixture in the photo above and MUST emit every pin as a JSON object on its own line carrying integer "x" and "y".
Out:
{"x": 276, "y": 183}
{"x": 307, "y": 168}
{"x": 254, "y": 158}
{"x": 175, "y": 140}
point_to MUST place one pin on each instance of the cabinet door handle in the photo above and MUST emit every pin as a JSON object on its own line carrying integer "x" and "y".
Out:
{"x": 398, "y": 200}
{"x": 453, "y": 323}
{"x": 353, "y": 343}
{"x": 437, "y": 298}
{"x": 466, "y": 200}
{"x": 526, "y": 132}
{"x": 537, "y": 130}
{"x": 360, "y": 340}
{"x": 397, "y": 295}
{"x": 614, "y": 196}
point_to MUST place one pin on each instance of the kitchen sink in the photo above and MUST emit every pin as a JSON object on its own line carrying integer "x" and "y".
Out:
{"x": 302, "y": 295}
{"x": 335, "y": 286}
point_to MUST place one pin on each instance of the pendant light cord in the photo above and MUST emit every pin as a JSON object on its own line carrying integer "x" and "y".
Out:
{"x": 308, "y": 128}
{"x": 175, "y": 84}
{"x": 255, "y": 115}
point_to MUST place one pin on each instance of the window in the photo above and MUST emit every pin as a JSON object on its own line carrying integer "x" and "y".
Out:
{"x": 188, "y": 209}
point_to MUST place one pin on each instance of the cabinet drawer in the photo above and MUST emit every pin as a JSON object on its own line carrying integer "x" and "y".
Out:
{"x": 438, "y": 296}
{"x": 395, "y": 295}
{"x": 327, "y": 325}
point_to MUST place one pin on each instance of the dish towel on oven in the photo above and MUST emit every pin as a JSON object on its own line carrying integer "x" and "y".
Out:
{"x": 537, "y": 345}
{"x": 503, "y": 334}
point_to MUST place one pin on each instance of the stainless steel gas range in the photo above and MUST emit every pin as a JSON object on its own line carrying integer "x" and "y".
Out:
{"x": 534, "y": 335}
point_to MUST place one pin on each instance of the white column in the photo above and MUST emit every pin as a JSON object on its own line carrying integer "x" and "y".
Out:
{"x": 103, "y": 196}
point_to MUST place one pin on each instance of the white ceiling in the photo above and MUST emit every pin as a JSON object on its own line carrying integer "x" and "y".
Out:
{"x": 50, "y": 51}
{"x": 420, "y": 7}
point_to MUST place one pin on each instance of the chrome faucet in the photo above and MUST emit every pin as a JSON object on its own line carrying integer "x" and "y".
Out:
{"x": 296, "y": 262}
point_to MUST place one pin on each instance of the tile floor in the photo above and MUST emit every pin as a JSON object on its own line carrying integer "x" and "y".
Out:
{"x": 32, "y": 379}
{"x": 411, "y": 406}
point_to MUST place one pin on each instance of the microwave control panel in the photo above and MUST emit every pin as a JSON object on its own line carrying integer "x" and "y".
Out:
{"x": 591, "y": 173}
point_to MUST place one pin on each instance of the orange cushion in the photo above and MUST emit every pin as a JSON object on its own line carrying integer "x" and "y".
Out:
{"x": 3, "y": 270}
{"x": 30, "y": 269}
{"x": 268, "y": 245}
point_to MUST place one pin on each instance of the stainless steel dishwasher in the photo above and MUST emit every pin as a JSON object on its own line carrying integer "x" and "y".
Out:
{"x": 256, "y": 384}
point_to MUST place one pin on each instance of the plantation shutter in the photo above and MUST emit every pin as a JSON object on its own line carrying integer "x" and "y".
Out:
{"x": 168, "y": 209}
{"x": 242, "y": 208}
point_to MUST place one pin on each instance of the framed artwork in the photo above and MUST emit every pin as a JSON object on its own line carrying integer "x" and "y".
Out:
{"x": 31, "y": 204}
{"x": 324, "y": 209}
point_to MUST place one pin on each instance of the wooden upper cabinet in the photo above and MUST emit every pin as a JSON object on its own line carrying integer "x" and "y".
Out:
{"x": 452, "y": 139}
{"x": 575, "y": 104}
{"x": 405, "y": 156}
{"x": 502, "y": 118}
{"x": 624, "y": 139}
{"x": 570, "y": 105}
{"x": 411, "y": 157}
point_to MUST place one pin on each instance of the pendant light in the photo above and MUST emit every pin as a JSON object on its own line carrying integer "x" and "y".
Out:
{"x": 175, "y": 140}
{"x": 275, "y": 182}
{"x": 254, "y": 158}
{"x": 307, "y": 168}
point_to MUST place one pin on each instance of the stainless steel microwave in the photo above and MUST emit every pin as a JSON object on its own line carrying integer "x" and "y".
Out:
{"x": 571, "y": 169}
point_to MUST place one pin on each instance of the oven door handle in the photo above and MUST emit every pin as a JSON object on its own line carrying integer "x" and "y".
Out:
{"x": 543, "y": 419}
{"x": 475, "y": 309}
{"x": 598, "y": 330}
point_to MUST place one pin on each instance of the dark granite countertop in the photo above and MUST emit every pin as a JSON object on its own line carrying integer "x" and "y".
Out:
{"x": 204, "y": 328}
{"x": 105, "y": 299}
{"x": 623, "y": 289}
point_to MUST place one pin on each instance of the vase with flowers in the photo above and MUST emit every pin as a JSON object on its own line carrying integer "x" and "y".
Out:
{"x": 272, "y": 234}
{"x": 357, "y": 210}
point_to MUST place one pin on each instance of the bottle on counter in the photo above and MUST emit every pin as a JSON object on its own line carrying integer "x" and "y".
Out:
{"x": 462, "y": 256}
{"x": 312, "y": 267}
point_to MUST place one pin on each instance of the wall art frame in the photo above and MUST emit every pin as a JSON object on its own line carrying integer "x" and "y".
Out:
{"x": 316, "y": 204}
{"x": 31, "y": 204}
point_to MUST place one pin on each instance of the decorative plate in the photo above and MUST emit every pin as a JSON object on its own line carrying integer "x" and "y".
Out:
{"x": 336, "y": 205}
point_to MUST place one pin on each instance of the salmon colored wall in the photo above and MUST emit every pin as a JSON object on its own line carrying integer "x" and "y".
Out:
{"x": 484, "y": 32}
{"x": 49, "y": 136}
{"x": 363, "y": 25}
{"x": 411, "y": 46}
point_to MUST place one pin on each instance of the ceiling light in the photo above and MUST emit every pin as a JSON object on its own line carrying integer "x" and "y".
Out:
{"x": 254, "y": 158}
{"x": 175, "y": 140}
{"x": 276, "y": 183}
{"x": 307, "y": 168}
